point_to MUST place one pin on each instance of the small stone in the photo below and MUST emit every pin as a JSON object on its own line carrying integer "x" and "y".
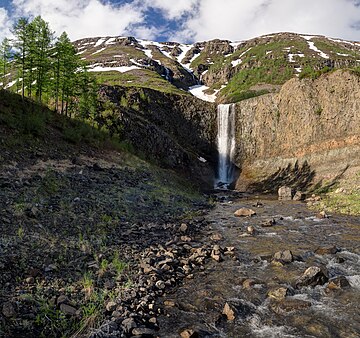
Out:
{"x": 51, "y": 267}
{"x": 216, "y": 237}
{"x": 169, "y": 303}
{"x": 268, "y": 223}
{"x": 278, "y": 293}
{"x": 186, "y": 238}
{"x": 338, "y": 283}
{"x": 143, "y": 332}
{"x": 68, "y": 309}
{"x": 322, "y": 214}
{"x": 228, "y": 312}
{"x": 183, "y": 227}
{"x": 243, "y": 212}
{"x": 285, "y": 193}
{"x": 8, "y": 310}
{"x": 111, "y": 306}
{"x": 153, "y": 321}
{"x": 249, "y": 283}
{"x": 97, "y": 167}
{"x": 288, "y": 305}
{"x": 285, "y": 256}
{"x": 160, "y": 284}
{"x": 30, "y": 280}
{"x": 62, "y": 299}
{"x": 331, "y": 250}
{"x": 189, "y": 333}
{"x": 251, "y": 230}
{"x": 299, "y": 196}
{"x": 128, "y": 324}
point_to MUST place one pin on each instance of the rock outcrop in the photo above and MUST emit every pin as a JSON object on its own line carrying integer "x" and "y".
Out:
{"x": 306, "y": 133}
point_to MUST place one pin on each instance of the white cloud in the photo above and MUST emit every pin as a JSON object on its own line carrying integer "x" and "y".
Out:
{"x": 173, "y": 9}
{"x": 242, "y": 19}
{"x": 5, "y": 24}
{"x": 84, "y": 18}
{"x": 199, "y": 19}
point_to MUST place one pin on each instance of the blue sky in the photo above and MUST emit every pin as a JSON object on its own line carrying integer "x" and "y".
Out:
{"x": 188, "y": 20}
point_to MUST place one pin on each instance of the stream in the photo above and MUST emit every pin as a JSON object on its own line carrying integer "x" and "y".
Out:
{"x": 246, "y": 276}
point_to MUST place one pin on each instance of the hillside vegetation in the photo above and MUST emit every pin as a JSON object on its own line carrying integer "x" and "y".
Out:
{"x": 75, "y": 205}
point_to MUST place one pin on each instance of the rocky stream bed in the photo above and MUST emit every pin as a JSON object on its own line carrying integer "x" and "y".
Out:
{"x": 72, "y": 264}
{"x": 283, "y": 272}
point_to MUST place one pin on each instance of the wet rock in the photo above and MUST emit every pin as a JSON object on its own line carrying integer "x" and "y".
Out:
{"x": 284, "y": 257}
{"x": 278, "y": 293}
{"x": 299, "y": 196}
{"x": 9, "y": 310}
{"x": 189, "y": 333}
{"x": 143, "y": 332}
{"x": 216, "y": 237}
{"x": 249, "y": 283}
{"x": 285, "y": 193}
{"x": 251, "y": 230}
{"x": 289, "y": 305}
{"x": 268, "y": 223}
{"x": 243, "y": 212}
{"x": 337, "y": 283}
{"x": 322, "y": 214}
{"x": 68, "y": 309}
{"x": 332, "y": 250}
{"x": 228, "y": 312}
{"x": 311, "y": 277}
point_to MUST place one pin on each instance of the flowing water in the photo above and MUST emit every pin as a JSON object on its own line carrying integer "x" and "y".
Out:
{"x": 226, "y": 144}
{"x": 245, "y": 279}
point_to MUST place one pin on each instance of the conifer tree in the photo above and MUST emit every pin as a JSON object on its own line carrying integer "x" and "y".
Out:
{"x": 5, "y": 55}
{"x": 20, "y": 31}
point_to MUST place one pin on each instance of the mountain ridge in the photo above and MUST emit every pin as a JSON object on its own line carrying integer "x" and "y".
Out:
{"x": 226, "y": 71}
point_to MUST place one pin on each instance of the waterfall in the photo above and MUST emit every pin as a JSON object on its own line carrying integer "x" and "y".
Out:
{"x": 226, "y": 144}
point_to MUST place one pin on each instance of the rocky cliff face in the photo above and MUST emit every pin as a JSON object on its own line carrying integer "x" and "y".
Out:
{"x": 310, "y": 129}
{"x": 177, "y": 131}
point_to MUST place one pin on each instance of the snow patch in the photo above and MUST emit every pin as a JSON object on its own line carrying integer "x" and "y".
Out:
{"x": 10, "y": 84}
{"x": 291, "y": 56}
{"x": 342, "y": 54}
{"x": 198, "y": 91}
{"x": 111, "y": 41}
{"x": 236, "y": 62}
{"x": 184, "y": 50}
{"x": 313, "y": 47}
{"x": 82, "y": 52}
{"x": 201, "y": 159}
{"x": 121, "y": 69}
{"x": 99, "y": 51}
{"x": 100, "y": 42}
{"x": 148, "y": 53}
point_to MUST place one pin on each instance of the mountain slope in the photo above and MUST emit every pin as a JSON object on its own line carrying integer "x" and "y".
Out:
{"x": 232, "y": 70}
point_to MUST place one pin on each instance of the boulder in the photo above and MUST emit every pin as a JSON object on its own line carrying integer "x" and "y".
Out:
{"x": 311, "y": 277}
{"x": 285, "y": 193}
{"x": 189, "y": 333}
{"x": 337, "y": 283}
{"x": 284, "y": 257}
{"x": 330, "y": 250}
{"x": 278, "y": 293}
{"x": 299, "y": 196}
{"x": 243, "y": 212}
{"x": 68, "y": 309}
{"x": 289, "y": 305}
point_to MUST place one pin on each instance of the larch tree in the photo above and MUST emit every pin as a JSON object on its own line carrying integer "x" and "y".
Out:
{"x": 5, "y": 56}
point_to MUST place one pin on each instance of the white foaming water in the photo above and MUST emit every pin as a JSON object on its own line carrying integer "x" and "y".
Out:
{"x": 226, "y": 143}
